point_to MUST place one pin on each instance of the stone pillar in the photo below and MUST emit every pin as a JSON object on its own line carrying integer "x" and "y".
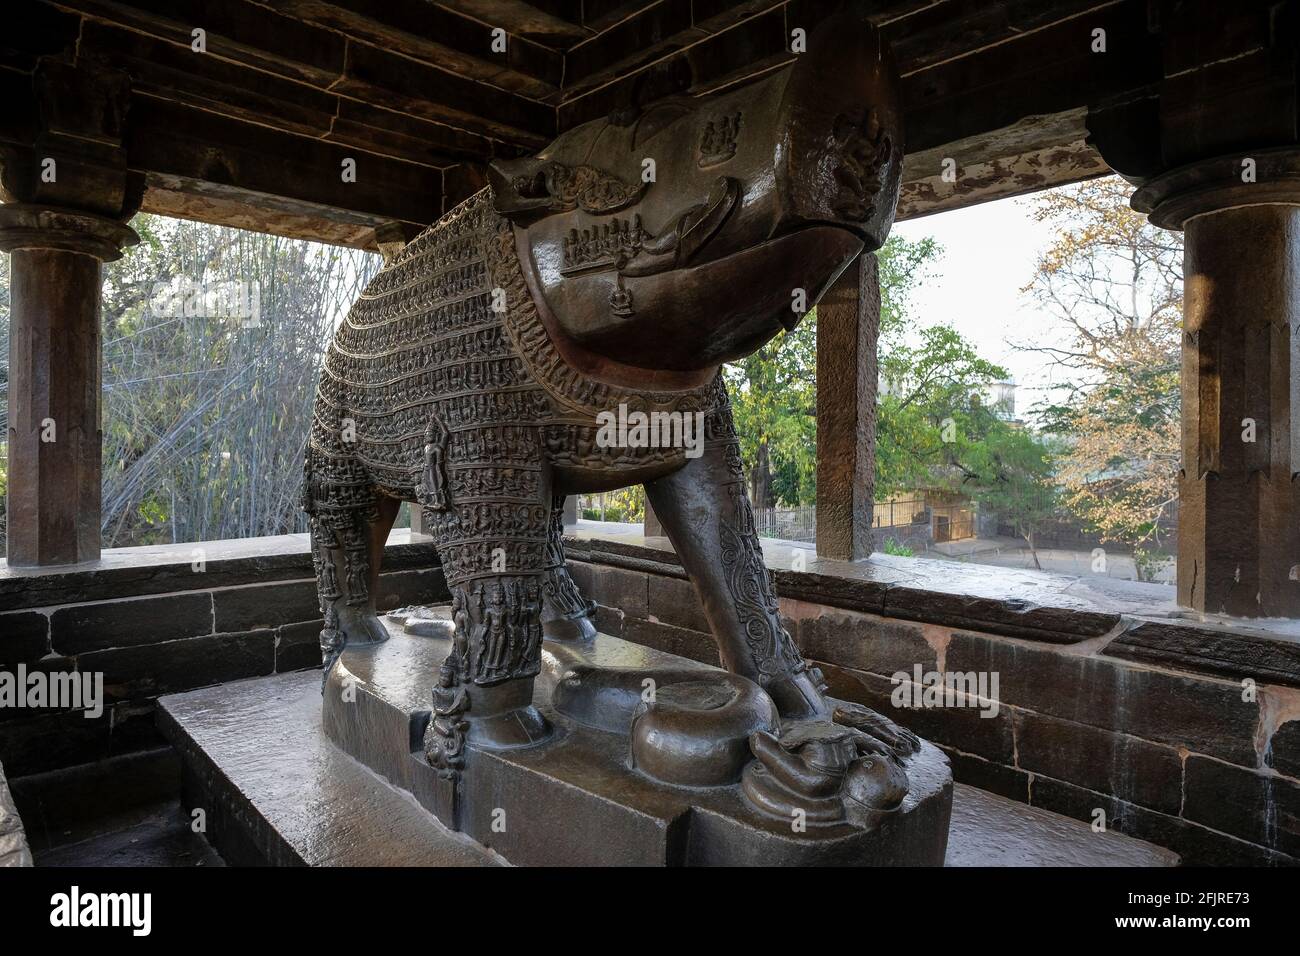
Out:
{"x": 1239, "y": 485}
{"x": 54, "y": 379}
{"x": 848, "y": 324}
{"x": 570, "y": 516}
{"x": 653, "y": 526}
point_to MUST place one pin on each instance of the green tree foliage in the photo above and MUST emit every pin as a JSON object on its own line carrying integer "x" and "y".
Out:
{"x": 774, "y": 391}
{"x": 1008, "y": 471}
{"x": 930, "y": 414}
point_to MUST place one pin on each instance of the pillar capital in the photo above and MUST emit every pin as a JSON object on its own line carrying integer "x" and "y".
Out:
{"x": 1265, "y": 177}
{"x": 31, "y": 226}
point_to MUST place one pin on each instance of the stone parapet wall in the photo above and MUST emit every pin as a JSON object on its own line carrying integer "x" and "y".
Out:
{"x": 1183, "y": 734}
{"x": 154, "y": 621}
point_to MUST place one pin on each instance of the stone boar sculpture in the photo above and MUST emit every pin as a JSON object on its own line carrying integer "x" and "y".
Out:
{"x": 604, "y": 280}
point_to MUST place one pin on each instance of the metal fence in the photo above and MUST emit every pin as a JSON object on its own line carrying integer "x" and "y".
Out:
{"x": 792, "y": 524}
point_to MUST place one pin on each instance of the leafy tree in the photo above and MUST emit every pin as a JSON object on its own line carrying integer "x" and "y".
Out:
{"x": 1115, "y": 281}
{"x": 926, "y": 420}
{"x": 1009, "y": 472}
{"x": 774, "y": 391}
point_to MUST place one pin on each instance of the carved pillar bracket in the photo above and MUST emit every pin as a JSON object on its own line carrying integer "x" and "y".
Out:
{"x": 29, "y": 226}
{"x": 1239, "y": 486}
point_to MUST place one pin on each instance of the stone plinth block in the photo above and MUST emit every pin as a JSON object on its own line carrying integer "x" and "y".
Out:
{"x": 576, "y": 800}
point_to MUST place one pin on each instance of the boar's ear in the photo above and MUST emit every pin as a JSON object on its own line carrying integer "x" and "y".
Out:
{"x": 519, "y": 188}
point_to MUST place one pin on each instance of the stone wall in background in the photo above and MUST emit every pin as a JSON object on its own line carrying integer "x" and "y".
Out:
{"x": 160, "y": 621}
{"x": 1145, "y": 721}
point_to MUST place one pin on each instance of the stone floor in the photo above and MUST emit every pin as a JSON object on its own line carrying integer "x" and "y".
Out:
{"x": 163, "y": 838}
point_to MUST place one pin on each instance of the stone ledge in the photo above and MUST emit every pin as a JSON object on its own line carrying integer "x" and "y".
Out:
{"x": 168, "y": 568}
{"x": 1030, "y": 605}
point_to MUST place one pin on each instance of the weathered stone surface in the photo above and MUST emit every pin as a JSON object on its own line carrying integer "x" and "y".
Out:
{"x": 988, "y": 830}
{"x": 297, "y": 646}
{"x": 1128, "y": 768}
{"x": 674, "y": 601}
{"x": 626, "y": 590}
{"x": 1204, "y": 715}
{"x": 1196, "y": 845}
{"x": 861, "y": 642}
{"x": 1283, "y": 753}
{"x": 270, "y": 605}
{"x": 1231, "y": 652}
{"x": 1015, "y": 617}
{"x": 1260, "y": 807}
{"x": 988, "y": 776}
{"x": 149, "y": 670}
{"x": 24, "y": 637}
{"x": 13, "y": 842}
{"x": 959, "y": 727}
{"x": 696, "y": 645}
{"x": 609, "y": 620}
{"x": 53, "y": 666}
{"x": 130, "y": 622}
{"x": 401, "y": 588}
{"x": 70, "y": 804}
{"x": 998, "y": 600}
{"x": 123, "y": 572}
{"x": 52, "y": 741}
{"x": 277, "y": 791}
{"x": 134, "y": 727}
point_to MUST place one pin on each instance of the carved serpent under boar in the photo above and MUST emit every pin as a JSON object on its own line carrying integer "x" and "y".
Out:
{"x": 610, "y": 275}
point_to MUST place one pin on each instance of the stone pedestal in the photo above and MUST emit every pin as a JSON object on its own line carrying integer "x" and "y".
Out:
{"x": 1239, "y": 501}
{"x": 54, "y": 379}
{"x": 848, "y": 325}
{"x": 577, "y": 800}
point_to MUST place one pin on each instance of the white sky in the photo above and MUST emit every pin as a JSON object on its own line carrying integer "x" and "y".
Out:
{"x": 988, "y": 256}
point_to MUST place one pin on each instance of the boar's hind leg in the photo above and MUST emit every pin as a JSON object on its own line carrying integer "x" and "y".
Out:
{"x": 705, "y": 510}
{"x": 566, "y": 614}
{"x": 347, "y": 547}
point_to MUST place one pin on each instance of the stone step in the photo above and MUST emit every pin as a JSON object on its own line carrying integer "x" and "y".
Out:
{"x": 276, "y": 790}
{"x": 990, "y": 830}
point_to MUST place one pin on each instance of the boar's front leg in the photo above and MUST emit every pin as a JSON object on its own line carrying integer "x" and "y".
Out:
{"x": 566, "y": 614}
{"x": 706, "y": 512}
